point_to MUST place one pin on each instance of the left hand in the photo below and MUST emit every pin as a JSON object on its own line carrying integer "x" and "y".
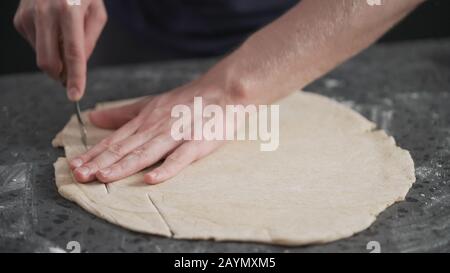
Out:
{"x": 144, "y": 138}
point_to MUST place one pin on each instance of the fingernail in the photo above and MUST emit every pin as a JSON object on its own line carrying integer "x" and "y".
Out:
{"x": 73, "y": 93}
{"x": 153, "y": 176}
{"x": 105, "y": 172}
{"x": 83, "y": 171}
{"x": 76, "y": 162}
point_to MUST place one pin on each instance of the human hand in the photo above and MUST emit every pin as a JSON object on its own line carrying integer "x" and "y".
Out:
{"x": 144, "y": 137}
{"x": 48, "y": 25}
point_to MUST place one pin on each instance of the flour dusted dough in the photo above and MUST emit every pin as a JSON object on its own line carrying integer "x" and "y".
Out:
{"x": 332, "y": 174}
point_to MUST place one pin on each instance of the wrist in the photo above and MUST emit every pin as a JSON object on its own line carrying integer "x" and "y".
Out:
{"x": 235, "y": 76}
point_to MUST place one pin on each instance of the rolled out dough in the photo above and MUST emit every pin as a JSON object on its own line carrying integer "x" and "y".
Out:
{"x": 332, "y": 174}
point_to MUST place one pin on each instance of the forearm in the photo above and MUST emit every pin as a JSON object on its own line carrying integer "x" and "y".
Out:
{"x": 304, "y": 44}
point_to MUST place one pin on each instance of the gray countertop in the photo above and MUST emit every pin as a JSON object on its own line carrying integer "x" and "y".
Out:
{"x": 404, "y": 88}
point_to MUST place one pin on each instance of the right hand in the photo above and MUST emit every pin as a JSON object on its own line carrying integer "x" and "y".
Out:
{"x": 49, "y": 24}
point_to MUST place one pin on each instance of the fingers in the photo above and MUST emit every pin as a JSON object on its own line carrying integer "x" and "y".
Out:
{"x": 95, "y": 21}
{"x": 117, "y": 145}
{"x": 116, "y": 117}
{"x": 47, "y": 47}
{"x": 74, "y": 52}
{"x": 182, "y": 157}
{"x": 139, "y": 159}
{"x": 48, "y": 24}
{"x": 110, "y": 156}
{"x": 109, "y": 119}
{"x": 121, "y": 134}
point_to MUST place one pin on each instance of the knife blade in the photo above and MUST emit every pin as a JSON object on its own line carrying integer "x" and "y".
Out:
{"x": 83, "y": 131}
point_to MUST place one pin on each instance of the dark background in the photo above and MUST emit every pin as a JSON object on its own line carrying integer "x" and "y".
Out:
{"x": 430, "y": 21}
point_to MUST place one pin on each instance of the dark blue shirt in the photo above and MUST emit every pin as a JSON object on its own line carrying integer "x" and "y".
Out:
{"x": 202, "y": 27}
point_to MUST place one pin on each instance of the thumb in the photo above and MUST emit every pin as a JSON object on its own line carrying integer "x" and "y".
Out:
{"x": 114, "y": 118}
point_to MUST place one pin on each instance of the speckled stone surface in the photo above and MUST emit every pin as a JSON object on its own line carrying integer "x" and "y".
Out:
{"x": 404, "y": 88}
